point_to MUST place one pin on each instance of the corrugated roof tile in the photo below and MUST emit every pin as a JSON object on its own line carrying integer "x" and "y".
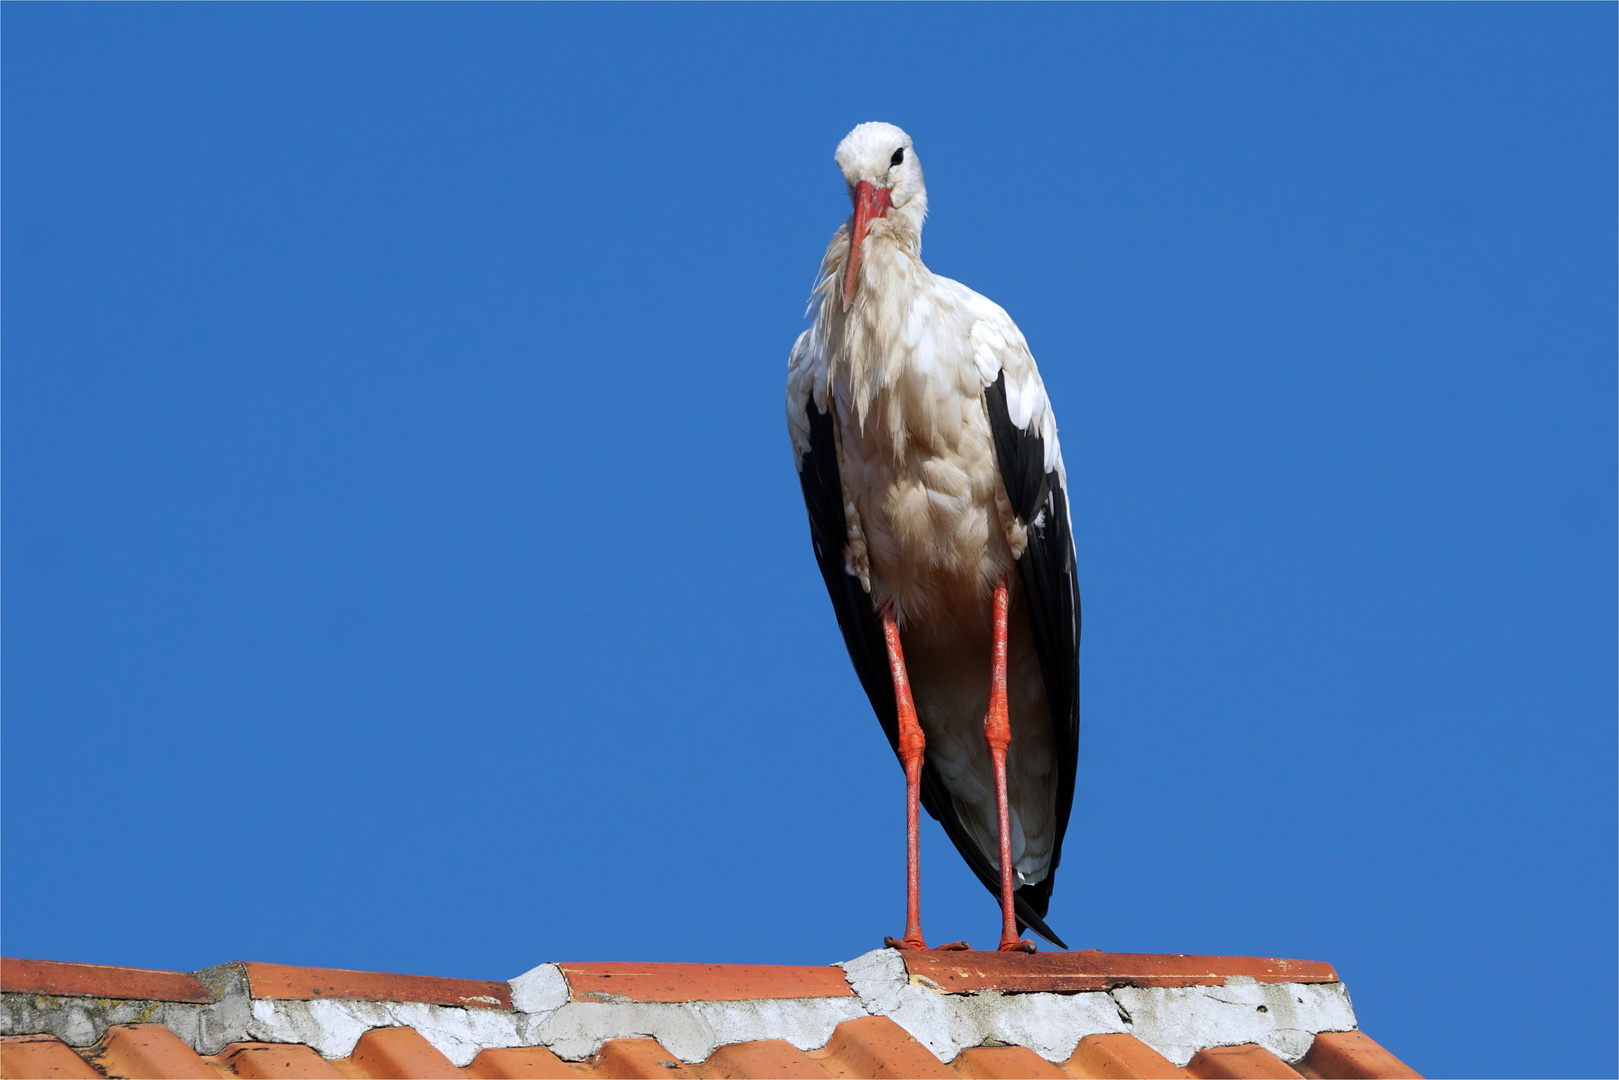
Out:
{"x": 400, "y": 1053}
{"x": 1005, "y": 1063}
{"x": 276, "y": 1061}
{"x": 1119, "y": 1057}
{"x": 1246, "y": 1062}
{"x": 638, "y": 1058}
{"x": 520, "y": 1063}
{"x": 875, "y": 1046}
{"x": 1350, "y": 1055}
{"x": 1110, "y": 1056}
{"x": 763, "y": 1057}
{"x": 148, "y": 1050}
{"x": 42, "y": 1057}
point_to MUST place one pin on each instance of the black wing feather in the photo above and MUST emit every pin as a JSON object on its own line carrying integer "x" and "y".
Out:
{"x": 1051, "y": 594}
{"x": 862, "y": 628}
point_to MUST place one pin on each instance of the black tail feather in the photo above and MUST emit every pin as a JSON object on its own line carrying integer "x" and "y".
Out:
{"x": 1031, "y": 902}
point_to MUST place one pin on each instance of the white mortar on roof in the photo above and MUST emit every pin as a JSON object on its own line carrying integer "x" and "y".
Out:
{"x": 1284, "y": 1018}
{"x": 540, "y": 990}
{"x": 333, "y": 1025}
{"x": 692, "y": 1030}
{"x": 1049, "y": 1024}
{"x": 1175, "y": 1021}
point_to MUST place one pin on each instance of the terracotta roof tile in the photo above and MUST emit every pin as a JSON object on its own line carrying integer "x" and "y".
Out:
{"x": 44, "y": 1056}
{"x": 884, "y": 1014}
{"x": 1336, "y": 1054}
{"x": 514, "y": 1062}
{"x": 148, "y": 1050}
{"x": 400, "y": 1052}
{"x": 638, "y": 1058}
{"x": 98, "y": 980}
{"x": 968, "y": 972}
{"x": 875, "y": 1046}
{"x": 286, "y": 983}
{"x": 1245, "y": 1062}
{"x": 701, "y": 982}
{"x": 41, "y": 1056}
{"x": 285, "y": 1061}
{"x": 764, "y": 1057}
{"x": 1005, "y": 1063}
{"x": 1119, "y": 1057}
{"x": 290, "y": 1061}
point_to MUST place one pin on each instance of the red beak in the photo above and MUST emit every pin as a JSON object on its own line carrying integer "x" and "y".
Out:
{"x": 870, "y": 202}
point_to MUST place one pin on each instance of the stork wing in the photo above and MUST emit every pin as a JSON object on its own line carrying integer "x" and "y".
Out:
{"x": 815, "y": 453}
{"x": 1030, "y": 461}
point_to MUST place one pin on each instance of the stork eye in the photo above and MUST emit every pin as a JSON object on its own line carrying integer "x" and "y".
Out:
{"x": 898, "y": 158}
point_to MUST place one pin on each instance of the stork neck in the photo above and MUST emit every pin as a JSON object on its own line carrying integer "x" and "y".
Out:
{"x": 900, "y": 228}
{"x": 891, "y": 274}
{"x": 873, "y": 329}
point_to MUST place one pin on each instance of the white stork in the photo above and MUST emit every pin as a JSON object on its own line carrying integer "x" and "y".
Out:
{"x": 927, "y": 452}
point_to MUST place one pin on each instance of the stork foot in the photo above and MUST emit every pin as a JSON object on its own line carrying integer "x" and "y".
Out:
{"x": 1017, "y": 946}
{"x": 921, "y": 946}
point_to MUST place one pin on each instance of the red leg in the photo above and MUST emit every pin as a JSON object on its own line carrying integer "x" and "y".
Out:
{"x": 911, "y": 744}
{"x": 998, "y": 733}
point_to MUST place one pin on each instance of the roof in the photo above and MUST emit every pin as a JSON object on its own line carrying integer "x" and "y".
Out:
{"x": 887, "y": 1013}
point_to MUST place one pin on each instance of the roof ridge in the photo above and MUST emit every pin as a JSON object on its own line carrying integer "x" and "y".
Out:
{"x": 1047, "y": 1002}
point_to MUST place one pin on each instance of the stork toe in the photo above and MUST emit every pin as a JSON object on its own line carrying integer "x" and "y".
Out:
{"x": 921, "y": 946}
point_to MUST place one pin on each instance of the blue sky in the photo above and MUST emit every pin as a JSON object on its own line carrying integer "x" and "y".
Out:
{"x": 404, "y": 567}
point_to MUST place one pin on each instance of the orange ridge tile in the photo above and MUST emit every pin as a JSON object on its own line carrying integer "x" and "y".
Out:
{"x": 1250, "y": 1061}
{"x": 285, "y": 982}
{"x": 618, "y": 981}
{"x": 1350, "y": 1055}
{"x": 1089, "y": 969}
{"x": 55, "y": 978}
{"x": 41, "y": 1057}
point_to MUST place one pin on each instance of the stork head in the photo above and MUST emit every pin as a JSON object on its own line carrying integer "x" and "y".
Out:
{"x": 885, "y": 185}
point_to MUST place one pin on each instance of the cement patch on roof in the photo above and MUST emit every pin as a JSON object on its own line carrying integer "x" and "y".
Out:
{"x": 333, "y": 1026}
{"x": 693, "y": 1030}
{"x": 540, "y": 990}
{"x": 1175, "y": 1021}
{"x": 1284, "y": 1018}
{"x": 82, "y": 1021}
